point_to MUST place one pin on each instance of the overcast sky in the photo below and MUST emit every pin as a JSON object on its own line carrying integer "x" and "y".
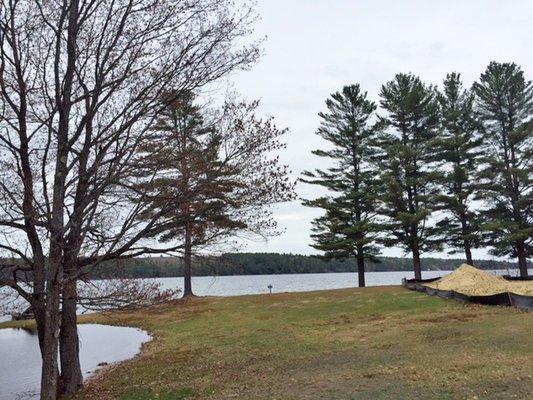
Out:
{"x": 314, "y": 47}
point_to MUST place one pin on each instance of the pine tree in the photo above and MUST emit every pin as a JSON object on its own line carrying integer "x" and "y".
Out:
{"x": 349, "y": 227}
{"x": 221, "y": 175}
{"x": 505, "y": 106}
{"x": 408, "y": 138}
{"x": 458, "y": 147}
{"x": 185, "y": 147}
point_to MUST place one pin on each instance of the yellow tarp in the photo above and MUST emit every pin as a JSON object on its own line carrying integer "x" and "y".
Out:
{"x": 471, "y": 281}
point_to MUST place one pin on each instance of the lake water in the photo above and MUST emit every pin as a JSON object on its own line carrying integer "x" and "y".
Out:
{"x": 20, "y": 360}
{"x": 258, "y": 284}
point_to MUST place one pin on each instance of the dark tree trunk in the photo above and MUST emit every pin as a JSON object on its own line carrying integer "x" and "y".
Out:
{"x": 50, "y": 375}
{"x": 468, "y": 253}
{"x": 360, "y": 266}
{"x": 416, "y": 262}
{"x": 49, "y": 372}
{"x": 39, "y": 313}
{"x": 522, "y": 259}
{"x": 187, "y": 262}
{"x": 71, "y": 379}
{"x": 466, "y": 243}
{"x": 38, "y": 302}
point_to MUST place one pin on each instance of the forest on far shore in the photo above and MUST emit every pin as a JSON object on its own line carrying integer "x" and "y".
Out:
{"x": 271, "y": 263}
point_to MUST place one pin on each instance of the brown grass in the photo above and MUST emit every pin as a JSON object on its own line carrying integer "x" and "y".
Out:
{"x": 374, "y": 343}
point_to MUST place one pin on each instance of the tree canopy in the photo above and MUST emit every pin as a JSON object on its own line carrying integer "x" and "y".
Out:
{"x": 505, "y": 107}
{"x": 410, "y": 128}
{"x": 459, "y": 148}
{"x": 349, "y": 226}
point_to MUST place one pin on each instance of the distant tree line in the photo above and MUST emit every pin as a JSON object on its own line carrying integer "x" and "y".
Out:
{"x": 271, "y": 263}
{"x": 432, "y": 169}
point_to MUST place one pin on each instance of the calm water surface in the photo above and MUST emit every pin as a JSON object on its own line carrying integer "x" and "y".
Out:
{"x": 257, "y": 284}
{"x": 20, "y": 360}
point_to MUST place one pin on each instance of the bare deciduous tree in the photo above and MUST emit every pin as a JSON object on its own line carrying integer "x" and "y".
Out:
{"x": 80, "y": 82}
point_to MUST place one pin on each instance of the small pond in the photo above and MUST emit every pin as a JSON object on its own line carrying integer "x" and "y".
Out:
{"x": 20, "y": 360}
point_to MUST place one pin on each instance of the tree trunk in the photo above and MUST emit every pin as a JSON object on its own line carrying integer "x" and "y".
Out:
{"x": 50, "y": 375}
{"x": 71, "y": 377}
{"x": 49, "y": 372}
{"x": 187, "y": 261}
{"x": 360, "y": 266}
{"x": 39, "y": 313}
{"x": 416, "y": 262}
{"x": 466, "y": 243}
{"x": 468, "y": 253}
{"x": 522, "y": 259}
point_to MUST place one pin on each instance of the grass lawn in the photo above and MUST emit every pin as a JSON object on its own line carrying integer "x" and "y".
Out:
{"x": 373, "y": 343}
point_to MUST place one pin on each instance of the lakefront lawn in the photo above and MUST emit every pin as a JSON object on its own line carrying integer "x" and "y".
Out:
{"x": 373, "y": 343}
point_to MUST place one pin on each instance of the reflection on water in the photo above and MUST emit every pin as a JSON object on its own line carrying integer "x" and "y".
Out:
{"x": 20, "y": 360}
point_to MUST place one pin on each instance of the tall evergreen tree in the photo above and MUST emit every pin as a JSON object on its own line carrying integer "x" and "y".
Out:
{"x": 349, "y": 227}
{"x": 186, "y": 146}
{"x": 408, "y": 138}
{"x": 458, "y": 147}
{"x": 221, "y": 175}
{"x": 505, "y": 106}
